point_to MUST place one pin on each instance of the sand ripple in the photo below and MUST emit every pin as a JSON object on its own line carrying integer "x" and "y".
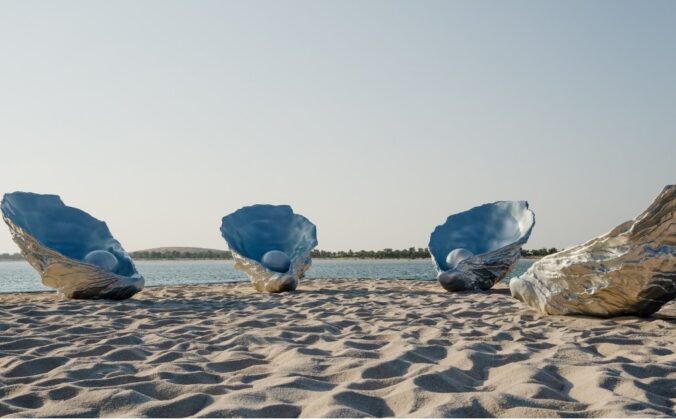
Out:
{"x": 334, "y": 348}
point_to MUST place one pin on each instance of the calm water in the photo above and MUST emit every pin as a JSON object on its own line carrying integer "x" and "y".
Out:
{"x": 19, "y": 276}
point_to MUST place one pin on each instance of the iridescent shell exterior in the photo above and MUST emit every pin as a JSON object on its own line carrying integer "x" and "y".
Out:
{"x": 484, "y": 243}
{"x": 253, "y": 231}
{"x": 55, "y": 238}
{"x": 629, "y": 271}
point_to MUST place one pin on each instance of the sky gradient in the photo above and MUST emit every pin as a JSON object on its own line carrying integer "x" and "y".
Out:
{"x": 375, "y": 119}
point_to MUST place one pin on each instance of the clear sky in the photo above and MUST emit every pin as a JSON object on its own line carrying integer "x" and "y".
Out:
{"x": 375, "y": 119}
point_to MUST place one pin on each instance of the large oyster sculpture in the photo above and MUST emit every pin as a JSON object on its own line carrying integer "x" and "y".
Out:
{"x": 629, "y": 271}
{"x": 72, "y": 251}
{"x": 270, "y": 244}
{"x": 475, "y": 249}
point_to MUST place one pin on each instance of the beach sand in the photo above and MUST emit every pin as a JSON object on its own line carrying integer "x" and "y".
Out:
{"x": 333, "y": 348}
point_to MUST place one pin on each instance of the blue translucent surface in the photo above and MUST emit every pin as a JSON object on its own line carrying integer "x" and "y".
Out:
{"x": 482, "y": 229}
{"x": 252, "y": 231}
{"x": 19, "y": 276}
{"x": 66, "y": 230}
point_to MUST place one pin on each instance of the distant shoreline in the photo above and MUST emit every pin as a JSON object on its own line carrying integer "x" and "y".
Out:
{"x": 232, "y": 260}
{"x": 198, "y": 253}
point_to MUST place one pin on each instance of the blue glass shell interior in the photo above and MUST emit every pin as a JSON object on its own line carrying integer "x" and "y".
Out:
{"x": 63, "y": 229}
{"x": 253, "y": 231}
{"x": 482, "y": 230}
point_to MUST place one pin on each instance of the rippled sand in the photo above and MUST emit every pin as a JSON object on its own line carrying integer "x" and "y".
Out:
{"x": 334, "y": 348}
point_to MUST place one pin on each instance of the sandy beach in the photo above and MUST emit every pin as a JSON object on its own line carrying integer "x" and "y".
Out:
{"x": 333, "y": 348}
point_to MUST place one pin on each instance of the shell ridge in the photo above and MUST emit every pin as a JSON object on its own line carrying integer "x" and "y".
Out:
{"x": 493, "y": 234}
{"x": 76, "y": 278}
{"x": 252, "y": 231}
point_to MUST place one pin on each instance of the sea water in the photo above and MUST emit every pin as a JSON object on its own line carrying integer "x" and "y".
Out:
{"x": 19, "y": 276}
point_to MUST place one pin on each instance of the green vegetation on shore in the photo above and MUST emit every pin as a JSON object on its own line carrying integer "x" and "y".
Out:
{"x": 194, "y": 253}
{"x": 410, "y": 253}
{"x": 175, "y": 253}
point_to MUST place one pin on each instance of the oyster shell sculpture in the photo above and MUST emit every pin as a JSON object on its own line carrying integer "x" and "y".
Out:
{"x": 71, "y": 250}
{"x": 475, "y": 249}
{"x": 629, "y": 271}
{"x": 270, "y": 244}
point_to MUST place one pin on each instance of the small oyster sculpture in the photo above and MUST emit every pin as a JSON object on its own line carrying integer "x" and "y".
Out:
{"x": 475, "y": 249}
{"x": 629, "y": 271}
{"x": 270, "y": 244}
{"x": 73, "y": 251}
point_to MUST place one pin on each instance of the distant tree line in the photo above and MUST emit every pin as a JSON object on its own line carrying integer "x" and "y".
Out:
{"x": 410, "y": 253}
{"x": 171, "y": 255}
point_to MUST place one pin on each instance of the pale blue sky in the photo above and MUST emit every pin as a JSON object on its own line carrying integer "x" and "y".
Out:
{"x": 375, "y": 119}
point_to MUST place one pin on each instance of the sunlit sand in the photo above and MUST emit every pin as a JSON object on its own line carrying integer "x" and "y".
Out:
{"x": 333, "y": 348}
